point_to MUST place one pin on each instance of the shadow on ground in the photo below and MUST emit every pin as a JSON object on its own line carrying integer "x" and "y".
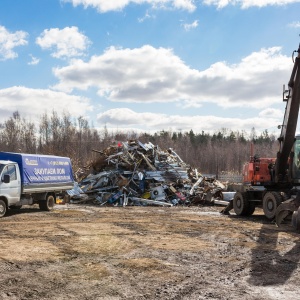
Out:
{"x": 268, "y": 265}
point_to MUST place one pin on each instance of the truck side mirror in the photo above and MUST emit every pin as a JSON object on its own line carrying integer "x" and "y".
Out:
{"x": 6, "y": 178}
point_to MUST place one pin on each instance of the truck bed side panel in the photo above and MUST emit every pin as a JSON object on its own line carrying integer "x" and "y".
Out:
{"x": 41, "y": 171}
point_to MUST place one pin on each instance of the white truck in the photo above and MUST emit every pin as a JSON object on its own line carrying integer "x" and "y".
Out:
{"x": 27, "y": 179}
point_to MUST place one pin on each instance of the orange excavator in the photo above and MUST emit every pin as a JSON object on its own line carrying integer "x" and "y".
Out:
{"x": 271, "y": 183}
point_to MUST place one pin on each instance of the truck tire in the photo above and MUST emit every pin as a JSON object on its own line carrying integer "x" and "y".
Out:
{"x": 3, "y": 208}
{"x": 48, "y": 204}
{"x": 271, "y": 201}
{"x": 241, "y": 204}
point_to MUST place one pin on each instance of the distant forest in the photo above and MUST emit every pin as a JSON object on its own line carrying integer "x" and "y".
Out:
{"x": 223, "y": 151}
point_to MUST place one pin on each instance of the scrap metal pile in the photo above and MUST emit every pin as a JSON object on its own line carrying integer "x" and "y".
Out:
{"x": 133, "y": 173}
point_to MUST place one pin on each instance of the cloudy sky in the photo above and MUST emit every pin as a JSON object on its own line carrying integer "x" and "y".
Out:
{"x": 149, "y": 65}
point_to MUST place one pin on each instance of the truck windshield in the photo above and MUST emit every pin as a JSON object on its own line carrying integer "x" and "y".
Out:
{"x": 1, "y": 168}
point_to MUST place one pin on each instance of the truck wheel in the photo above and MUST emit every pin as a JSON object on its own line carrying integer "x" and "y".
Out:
{"x": 3, "y": 208}
{"x": 241, "y": 204}
{"x": 271, "y": 201}
{"x": 48, "y": 204}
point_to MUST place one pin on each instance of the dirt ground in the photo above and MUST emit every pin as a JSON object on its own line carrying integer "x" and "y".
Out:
{"x": 89, "y": 252}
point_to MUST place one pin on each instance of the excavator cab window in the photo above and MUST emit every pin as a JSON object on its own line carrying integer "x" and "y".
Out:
{"x": 296, "y": 163}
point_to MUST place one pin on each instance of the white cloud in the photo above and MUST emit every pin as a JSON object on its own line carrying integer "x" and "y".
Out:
{"x": 189, "y": 104}
{"x": 33, "y": 103}
{"x": 294, "y": 24}
{"x": 126, "y": 118}
{"x": 148, "y": 75}
{"x": 146, "y": 16}
{"x": 67, "y": 42}
{"x": 249, "y": 3}
{"x": 8, "y": 41}
{"x": 34, "y": 60}
{"x": 115, "y": 5}
{"x": 271, "y": 113}
{"x": 193, "y": 25}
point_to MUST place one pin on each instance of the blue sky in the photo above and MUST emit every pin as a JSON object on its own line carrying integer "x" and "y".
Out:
{"x": 149, "y": 65}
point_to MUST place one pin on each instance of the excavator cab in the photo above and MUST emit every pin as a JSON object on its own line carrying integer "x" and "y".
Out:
{"x": 296, "y": 162}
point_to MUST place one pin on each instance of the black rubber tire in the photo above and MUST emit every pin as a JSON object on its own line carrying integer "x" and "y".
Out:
{"x": 3, "y": 208}
{"x": 241, "y": 204}
{"x": 271, "y": 201}
{"x": 48, "y": 204}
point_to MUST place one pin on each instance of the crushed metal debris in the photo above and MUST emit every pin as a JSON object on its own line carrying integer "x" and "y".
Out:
{"x": 133, "y": 173}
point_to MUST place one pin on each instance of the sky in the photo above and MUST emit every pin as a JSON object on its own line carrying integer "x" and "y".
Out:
{"x": 149, "y": 65}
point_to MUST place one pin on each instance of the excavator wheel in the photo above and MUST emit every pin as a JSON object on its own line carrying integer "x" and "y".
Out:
{"x": 241, "y": 204}
{"x": 296, "y": 219}
{"x": 271, "y": 201}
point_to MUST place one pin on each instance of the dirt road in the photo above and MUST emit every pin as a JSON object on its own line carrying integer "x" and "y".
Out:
{"x": 87, "y": 252}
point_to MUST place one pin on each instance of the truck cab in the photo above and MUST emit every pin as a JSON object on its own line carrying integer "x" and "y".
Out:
{"x": 10, "y": 184}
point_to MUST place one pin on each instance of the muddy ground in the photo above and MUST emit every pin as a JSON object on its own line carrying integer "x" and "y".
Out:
{"x": 88, "y": 252}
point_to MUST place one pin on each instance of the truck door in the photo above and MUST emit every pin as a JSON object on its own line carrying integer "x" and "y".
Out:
{"x": 12, "y": 190}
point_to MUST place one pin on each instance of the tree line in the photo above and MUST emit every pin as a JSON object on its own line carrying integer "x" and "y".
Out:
{"x": 223, "y": 151}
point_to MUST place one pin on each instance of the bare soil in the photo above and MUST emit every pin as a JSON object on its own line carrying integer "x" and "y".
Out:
{"x": 88, "y": 252}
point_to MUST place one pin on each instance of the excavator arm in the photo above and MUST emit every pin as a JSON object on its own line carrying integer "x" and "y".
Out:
{"x": 288, "y": 128}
